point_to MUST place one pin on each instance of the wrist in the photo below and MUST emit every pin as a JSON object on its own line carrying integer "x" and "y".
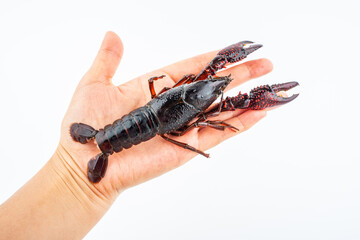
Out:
{"x": 57, "y": 203}
{"x": 66, "y": 201}
{"x": 71, "y": 181}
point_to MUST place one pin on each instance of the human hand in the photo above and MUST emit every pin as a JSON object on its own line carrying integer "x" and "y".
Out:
{"x": 97, "y": 102}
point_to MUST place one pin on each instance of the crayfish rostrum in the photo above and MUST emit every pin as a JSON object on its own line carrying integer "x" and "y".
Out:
{"x": 176, "y": 110}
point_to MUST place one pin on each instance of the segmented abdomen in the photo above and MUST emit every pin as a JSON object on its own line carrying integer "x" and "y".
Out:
{"x": 138, "y": 126}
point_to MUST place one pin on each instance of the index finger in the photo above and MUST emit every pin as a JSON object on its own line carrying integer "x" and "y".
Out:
{"x": 191, "y": 65}
{"x": 240, "y": 73}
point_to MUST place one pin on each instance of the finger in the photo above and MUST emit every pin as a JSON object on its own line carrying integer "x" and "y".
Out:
{"x": 247, "y": 71}
{"x": 209, "y": 137}
{"x": 191, "y": 65}
{"x": 242, "y": 72}
{"x": 226, "y": 115}
{"x": 106, "y": 61}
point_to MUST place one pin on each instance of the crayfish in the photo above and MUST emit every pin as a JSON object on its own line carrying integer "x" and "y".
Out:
{"x": 176, "y": 110}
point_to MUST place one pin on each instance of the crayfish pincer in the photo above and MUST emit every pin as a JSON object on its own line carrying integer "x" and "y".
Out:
{"x": 175, "y": 111}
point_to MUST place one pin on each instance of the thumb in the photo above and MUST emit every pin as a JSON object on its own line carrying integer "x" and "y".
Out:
{"x": 106, "y": 61}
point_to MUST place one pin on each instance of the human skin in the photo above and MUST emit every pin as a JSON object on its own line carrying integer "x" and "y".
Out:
{"x": 59, "y": 202}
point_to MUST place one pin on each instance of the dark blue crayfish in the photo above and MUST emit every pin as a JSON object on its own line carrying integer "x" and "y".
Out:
{"x": 171, "y": 111}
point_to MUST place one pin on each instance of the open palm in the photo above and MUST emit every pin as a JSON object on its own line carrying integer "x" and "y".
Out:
{"x": 97, "y": 102}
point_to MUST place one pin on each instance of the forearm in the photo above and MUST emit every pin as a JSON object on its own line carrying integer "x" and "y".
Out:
{"x": 57, "y": 203}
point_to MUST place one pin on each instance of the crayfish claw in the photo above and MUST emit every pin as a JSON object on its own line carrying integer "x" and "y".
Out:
{"x": 270, "y": 96}
{"x": 252, "y": 48}
{"x": 284, "y": 86}
{"x": 231, "y": 54}
{"x": 246, "y": 42}
{"x": 238, "y": 51}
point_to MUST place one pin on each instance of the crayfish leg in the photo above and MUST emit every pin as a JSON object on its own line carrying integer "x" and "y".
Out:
{"x": 151, "y": 85}
{"x": 216, "y": 124}
{"x": 185, "y": 146}
{"x": 184, "y": 80}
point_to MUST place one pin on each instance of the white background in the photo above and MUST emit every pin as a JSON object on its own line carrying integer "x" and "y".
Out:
{"x": 295, "y": 175}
